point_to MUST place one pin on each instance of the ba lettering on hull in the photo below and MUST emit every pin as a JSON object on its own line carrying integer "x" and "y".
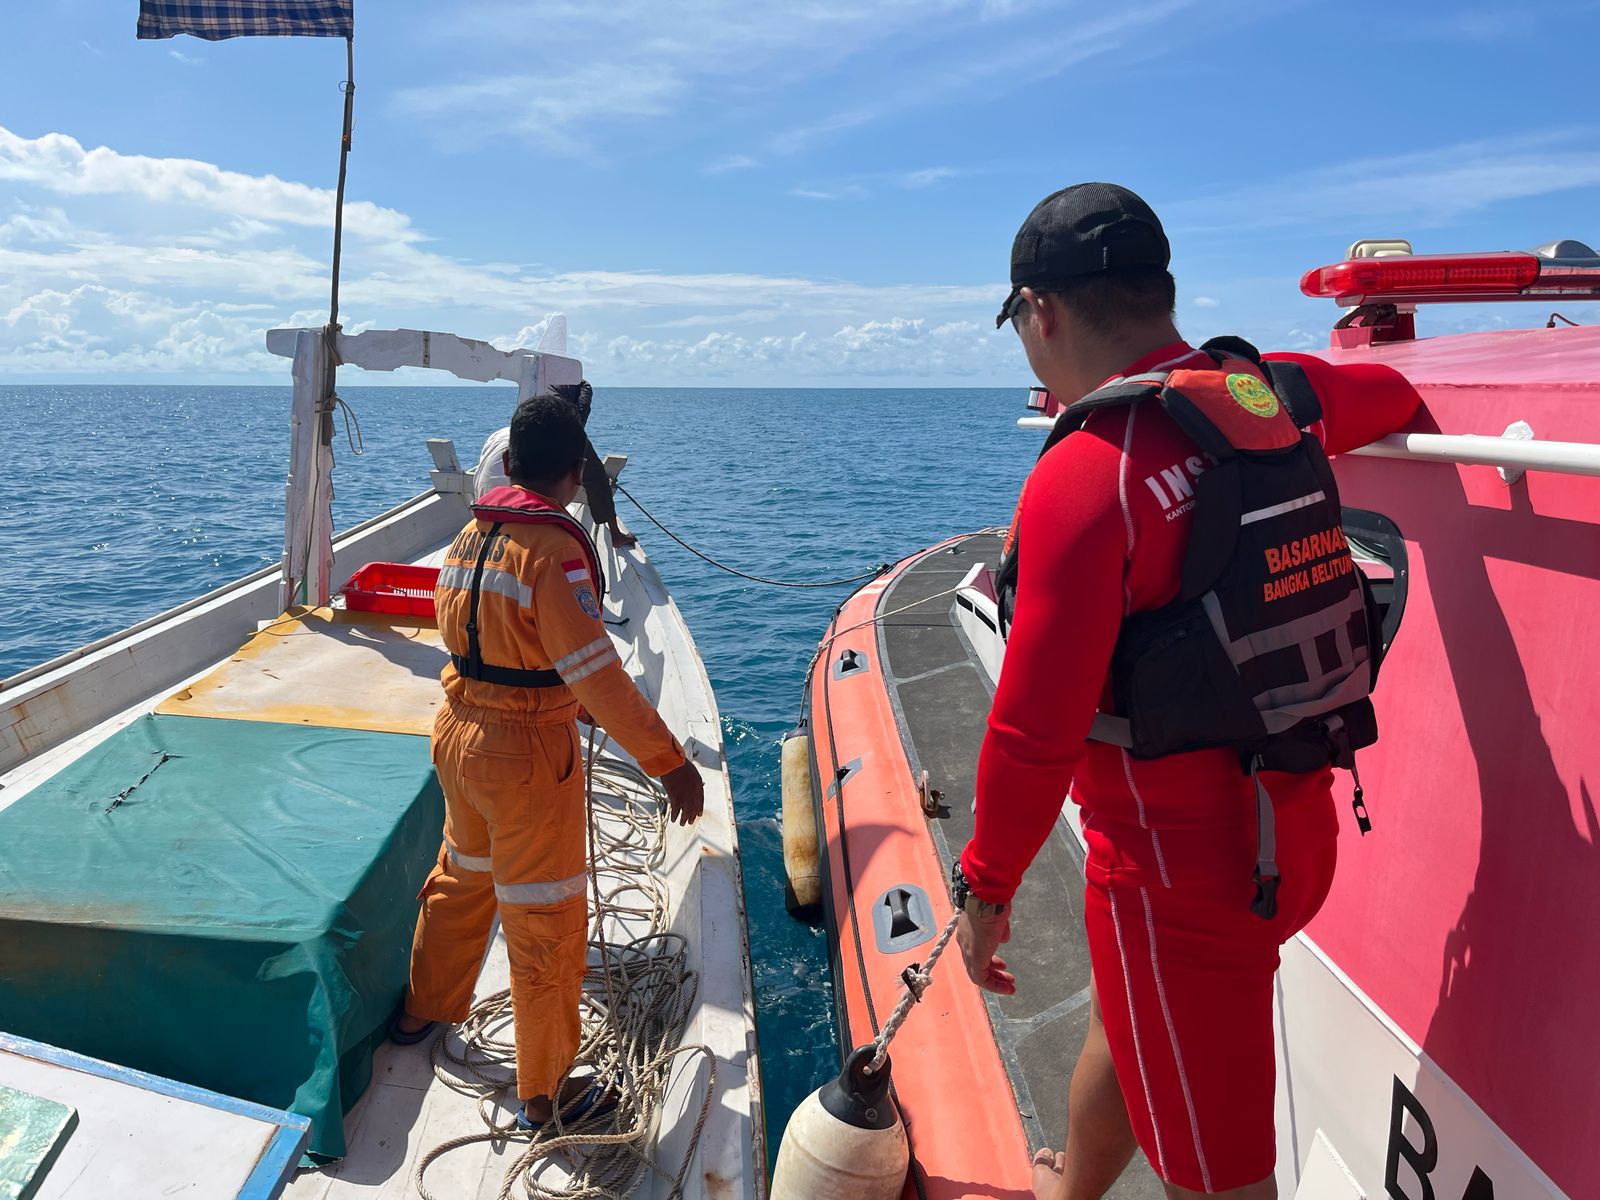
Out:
{"x": 1401, "y": 1128}
{"x": 1413, "y": 1154}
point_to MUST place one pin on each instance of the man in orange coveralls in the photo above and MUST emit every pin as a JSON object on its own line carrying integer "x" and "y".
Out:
{"x": 519, "y": 607}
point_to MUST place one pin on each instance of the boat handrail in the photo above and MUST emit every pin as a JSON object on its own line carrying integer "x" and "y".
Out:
{"x": 1465, "y": 449}
{"x": 1482, "y": 450}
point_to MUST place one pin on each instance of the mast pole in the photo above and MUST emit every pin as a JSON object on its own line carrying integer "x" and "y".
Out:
{"x": 349, "y": 90}
{"x": 311, "y": 512}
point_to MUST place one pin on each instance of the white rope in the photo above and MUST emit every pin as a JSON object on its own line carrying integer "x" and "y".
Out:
{"x": 822, "y": 646}
{"x": 917, "y": 977}
{"x": 636, "y": 1002}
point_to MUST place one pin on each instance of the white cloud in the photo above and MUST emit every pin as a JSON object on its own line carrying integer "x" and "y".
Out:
{"x": 802, "y": 137}
{"x": 1004, "y": 51}
{"x": 644, "y": 60}
{"x": 926, "y": 177}
{"x": 186, "y": 59}
{"x": 954, "y": 352}
{"x": 99, "y": 330}
{"x": 127, "y": 266}
{"x": 130, "y": 266}
{"x": 549, "y": 109}
{"x": 28, "y": 225}
{"x": 59, "y": 164}
{"x": 840, "y": 192}
{"x": 729, "y": 162}
{"x": 641, "y": 62}
{"x": 1423, "y": 187}
{"x": 861, "y": 185}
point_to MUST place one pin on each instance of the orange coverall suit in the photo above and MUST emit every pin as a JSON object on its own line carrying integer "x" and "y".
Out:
{"x": 511, "y": 768}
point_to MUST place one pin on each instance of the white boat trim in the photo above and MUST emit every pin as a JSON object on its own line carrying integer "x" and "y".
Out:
{"x": 1463, "y": 449}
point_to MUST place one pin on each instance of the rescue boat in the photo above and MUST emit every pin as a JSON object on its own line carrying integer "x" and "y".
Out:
{"x": 1433, "y": 1027}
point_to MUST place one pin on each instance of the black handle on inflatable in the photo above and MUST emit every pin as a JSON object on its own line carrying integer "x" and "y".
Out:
{"x": 858, "y": 1097}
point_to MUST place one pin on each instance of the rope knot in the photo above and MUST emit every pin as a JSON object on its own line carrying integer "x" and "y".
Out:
{"x": 916, "y": 981}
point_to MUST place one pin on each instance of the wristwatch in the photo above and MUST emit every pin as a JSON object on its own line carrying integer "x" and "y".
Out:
{"x": 962, "y": 897}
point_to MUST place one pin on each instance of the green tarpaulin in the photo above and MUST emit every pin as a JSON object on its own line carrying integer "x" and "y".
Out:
{"x": 226, "y": 903}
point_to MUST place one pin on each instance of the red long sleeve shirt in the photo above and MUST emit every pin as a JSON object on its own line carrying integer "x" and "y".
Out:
{"x": 1105, "y": 523}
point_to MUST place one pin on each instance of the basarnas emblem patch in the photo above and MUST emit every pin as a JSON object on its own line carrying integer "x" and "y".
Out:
{"x": 586, "y": 600}
{"x": 1253, "y": 395}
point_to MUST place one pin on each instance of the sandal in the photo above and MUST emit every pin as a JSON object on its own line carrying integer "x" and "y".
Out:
{"x": 598, "y": 1100}
{"x": 401, "y": 1038}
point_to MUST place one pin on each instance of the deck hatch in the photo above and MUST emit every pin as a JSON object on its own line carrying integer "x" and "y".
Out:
{"x": 902, "y": 918}
{"x": 849, "y": 662}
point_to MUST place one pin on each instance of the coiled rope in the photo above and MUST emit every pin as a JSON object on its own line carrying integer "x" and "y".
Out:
{"x": 636, "y": 1002}
{"x": 788, "y": 583}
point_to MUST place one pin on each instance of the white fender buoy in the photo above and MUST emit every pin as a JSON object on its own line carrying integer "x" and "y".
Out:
{"x": 800, "y": 857}
{"x": 845, "y": 1141}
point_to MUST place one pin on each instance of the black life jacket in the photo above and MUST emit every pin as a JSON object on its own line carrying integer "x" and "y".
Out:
{"x": 516, "y": 506}
{"x": 1272, "y": 645}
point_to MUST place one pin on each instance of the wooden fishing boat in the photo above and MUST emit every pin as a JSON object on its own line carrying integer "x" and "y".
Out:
{"x": 214, "y": 826}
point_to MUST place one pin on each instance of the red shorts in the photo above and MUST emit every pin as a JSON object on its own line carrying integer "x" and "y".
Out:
{"x": 1183, "y": 971}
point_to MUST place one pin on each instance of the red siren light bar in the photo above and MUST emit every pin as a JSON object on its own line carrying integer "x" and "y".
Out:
{"x": 1454, "y": 278}
{"x": 1437, "y": 277}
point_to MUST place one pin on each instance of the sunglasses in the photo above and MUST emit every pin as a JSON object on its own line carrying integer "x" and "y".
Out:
{"x": 1014, "y": 305}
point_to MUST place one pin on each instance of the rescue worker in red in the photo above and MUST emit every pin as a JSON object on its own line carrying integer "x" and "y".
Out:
{"x": 1178, "y": 1059}
{"x": 519, "y": 606}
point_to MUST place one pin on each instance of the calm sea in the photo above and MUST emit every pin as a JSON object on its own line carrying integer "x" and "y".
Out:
{"x": 119, "y": 502}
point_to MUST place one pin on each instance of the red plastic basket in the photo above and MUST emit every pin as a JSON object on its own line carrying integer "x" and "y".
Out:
{"x": 399, "y": 589}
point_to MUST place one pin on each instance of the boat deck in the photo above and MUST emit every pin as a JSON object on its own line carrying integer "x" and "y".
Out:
{"x": 941, "y": 696}
{"x": 341, "y": 677}
{"x": 412, "y": 1108}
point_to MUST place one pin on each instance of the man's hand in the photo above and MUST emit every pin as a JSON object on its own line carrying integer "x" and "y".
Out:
{"x": 686, "y": 794}
{"x": 979, "y": 938}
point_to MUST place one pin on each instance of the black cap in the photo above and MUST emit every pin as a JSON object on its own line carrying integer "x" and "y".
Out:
{"x": 1085, "y": 229}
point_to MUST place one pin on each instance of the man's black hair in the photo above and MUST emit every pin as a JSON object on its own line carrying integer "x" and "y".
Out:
{"x": 547, "y": 441}
{"x": 1107, "y": 302}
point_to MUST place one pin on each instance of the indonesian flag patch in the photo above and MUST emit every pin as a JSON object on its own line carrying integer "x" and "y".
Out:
{"x": 577, "y": 570}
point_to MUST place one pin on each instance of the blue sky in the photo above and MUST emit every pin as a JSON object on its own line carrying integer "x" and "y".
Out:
{"x": 718, "y": 193}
